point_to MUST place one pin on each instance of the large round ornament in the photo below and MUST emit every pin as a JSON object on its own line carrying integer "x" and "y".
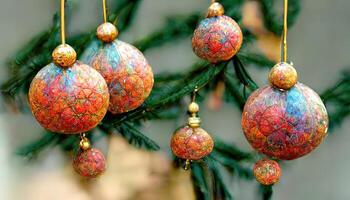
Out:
{"x": 89, "y": 163}
{"x": 69, "y": 101}
{"x": 285, "y": 124}
{"x": 217, "y": 39}
{"x": 191, "y": 143}
{"x": 126, "y": 71}
{"x": 267, "y": 172}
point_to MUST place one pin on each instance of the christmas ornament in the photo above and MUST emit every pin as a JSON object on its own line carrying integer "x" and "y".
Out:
{"x": 267, "y": 172}
{"x": 218, "y": 37}
{"x": 191, "y": 142}
{"x": 68, "y": 96}
{"x": 124, "y": 67}
{"x": 284, "y": 120}
{"x": 89, "y": 162}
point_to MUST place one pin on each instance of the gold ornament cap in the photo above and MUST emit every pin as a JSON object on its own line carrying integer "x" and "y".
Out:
{"x": 85, "y": 144}
{"x": 107, "y": 32}
{"x": 215, "y": 10}
{"x": 64, "y": 55}
{"x": 194, "y": 122}
{"x": 283, "y": 76}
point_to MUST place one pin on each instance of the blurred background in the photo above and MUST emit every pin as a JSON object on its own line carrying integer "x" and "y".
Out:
{"x": 318, "y": 45}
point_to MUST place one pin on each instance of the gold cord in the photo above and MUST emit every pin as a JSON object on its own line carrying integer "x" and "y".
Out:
{"x": 104, "y": 11}
{"x": 285, "y": 30}
{"x": 63, "y": 34}
{"x": 212, "y": 1}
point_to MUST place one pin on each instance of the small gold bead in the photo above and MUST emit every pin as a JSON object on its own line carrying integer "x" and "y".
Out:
{"x": 85, "y": 144}
{"x": 107, "y": 32}
{"x": 64, "y": 55}
{"x": 283, "y": 76}
{"x": 215, "y": 10}
{"x": 193, "y": 107}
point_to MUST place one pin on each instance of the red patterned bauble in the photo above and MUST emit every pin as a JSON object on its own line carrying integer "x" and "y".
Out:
{"x": 126, "y": 71}
{"x": 89, "y": 163}
{"x": 267, "y": 172}
{"x": 285, "y": 124}
{"x": 217, "y": 39}
{"x": 191, "y": 143}
{"x": 69, "y": 101}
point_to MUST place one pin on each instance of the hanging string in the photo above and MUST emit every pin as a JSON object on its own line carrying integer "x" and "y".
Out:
{"x": 285, "y": 30}
{"x": 212, "y": 1}
{"x": 63, "y": 33}
{"x": 104, "y": 11}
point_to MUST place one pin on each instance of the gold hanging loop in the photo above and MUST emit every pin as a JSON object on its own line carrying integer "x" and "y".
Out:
{"x": 285, "y": 30}
{"x": 212, "y": 1}
{"x": 194, "y": 94}
{"x": 104, "y": 11}
{"x": 63, "y": 32}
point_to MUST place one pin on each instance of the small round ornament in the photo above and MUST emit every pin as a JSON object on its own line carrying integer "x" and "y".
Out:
{"x": 267, "y": 172}
{"x": 191, "y": 143}
{"x": 89, "y": 163}
{"x": 285, "y": 124}
{"x": 283, "y": 76}
{"x": 126, "y": 71}
{"x": 69, "y": 101}
{"x": 218, "y": 37}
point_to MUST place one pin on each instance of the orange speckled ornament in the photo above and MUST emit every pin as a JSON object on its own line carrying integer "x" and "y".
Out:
{"x": 89, "y": 163}
{"x": 283, "y": 76}
{"x": 217, "y": 39}
{"x": 267, "y": 172}
{"x": 191, "y": 143}
{"x": 126, "y": 71}
{"x": 68, "y": 101}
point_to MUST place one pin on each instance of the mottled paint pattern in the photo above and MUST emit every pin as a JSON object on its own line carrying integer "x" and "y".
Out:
{"x": 285, "y": 125}
{"x": 126, "y": 71}
{"x": 68, "y": 101}
{"x": 89, "y": 163}
{"x": 267, "y": 172}
{"x": 191, "y": 143}
{"x": 217, "y": 39}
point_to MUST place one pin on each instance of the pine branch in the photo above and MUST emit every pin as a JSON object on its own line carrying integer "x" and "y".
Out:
{"x": 273, "y": 17}
{"x": 337, "y": 100}
{"x": 31, "y": 150}
{"x": 266, "y": 192}
{"x": 137, "y": 138}
{"x": 200, "y": 175}
{"x": 220, "y": 188}
{"x": 242, "y": 74}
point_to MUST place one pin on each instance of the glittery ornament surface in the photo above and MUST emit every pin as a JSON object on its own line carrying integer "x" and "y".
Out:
{"x": 69, "y": 101}
{"x": 191, "y": 143}
{"x": 267, "y": 172}
{"x": 89, "y": 163}
{"x": 126, "y": 71}
{"x": 285, "y": 125}
{"x": 217, "y": 39}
